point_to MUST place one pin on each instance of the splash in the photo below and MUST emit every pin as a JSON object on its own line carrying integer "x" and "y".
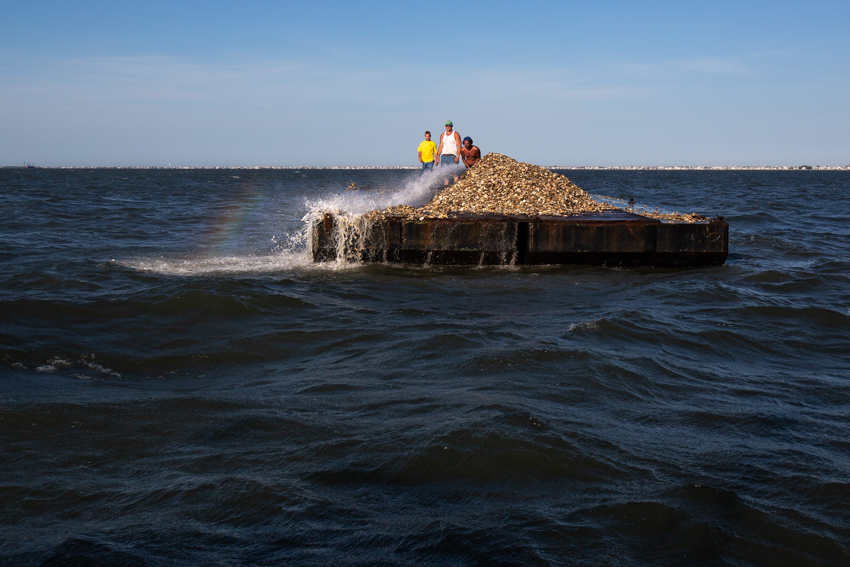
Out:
{"x": 415, "y": 192}
{"x": 350, "y": 224}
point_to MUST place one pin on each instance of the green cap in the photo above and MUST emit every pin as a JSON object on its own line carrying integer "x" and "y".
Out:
{"x": 449, "y": 123}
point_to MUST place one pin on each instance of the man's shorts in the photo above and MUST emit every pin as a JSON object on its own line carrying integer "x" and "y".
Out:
{"x": 447, "y": 164}
{"x": 427, "y": 166}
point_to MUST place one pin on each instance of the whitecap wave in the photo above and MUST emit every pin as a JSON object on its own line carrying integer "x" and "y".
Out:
{"x": 223, "y": 266}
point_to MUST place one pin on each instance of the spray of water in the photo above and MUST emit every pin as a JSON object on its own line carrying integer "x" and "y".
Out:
{"x": 352, "y": 227}
{"x": 415, "y": 192}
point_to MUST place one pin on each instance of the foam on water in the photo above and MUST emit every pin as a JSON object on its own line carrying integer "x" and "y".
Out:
{"x": 225, "y": 265}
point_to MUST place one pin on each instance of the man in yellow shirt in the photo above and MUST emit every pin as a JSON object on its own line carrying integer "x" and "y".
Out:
{"x": 427, "y": 149}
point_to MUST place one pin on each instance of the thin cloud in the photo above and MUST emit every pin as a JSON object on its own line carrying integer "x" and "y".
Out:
{"x": 724, "y": 66}
{"x": 712, "y": 66}
{"x": 164, "y": 80}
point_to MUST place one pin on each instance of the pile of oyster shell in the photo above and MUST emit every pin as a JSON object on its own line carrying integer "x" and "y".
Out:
{"x": 501, "y": 185}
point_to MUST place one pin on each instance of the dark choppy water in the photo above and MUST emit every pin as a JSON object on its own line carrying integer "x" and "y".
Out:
{"x": 180, "y": 386}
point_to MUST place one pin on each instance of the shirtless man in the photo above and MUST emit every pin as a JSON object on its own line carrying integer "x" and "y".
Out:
{"x": 470, "y": 154}
{"x": 448, "y": 153}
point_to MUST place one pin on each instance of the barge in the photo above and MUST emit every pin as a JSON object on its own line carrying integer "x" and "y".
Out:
{"x": 610, "y": 238}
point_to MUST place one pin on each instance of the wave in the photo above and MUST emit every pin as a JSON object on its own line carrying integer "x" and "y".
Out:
{"x": 218, "y": 266}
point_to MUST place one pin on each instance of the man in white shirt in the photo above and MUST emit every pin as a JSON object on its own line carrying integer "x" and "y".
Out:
{"x": 448, "y": 154}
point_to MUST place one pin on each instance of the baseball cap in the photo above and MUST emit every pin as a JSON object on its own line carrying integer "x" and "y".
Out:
{"x": 449, "y": 123}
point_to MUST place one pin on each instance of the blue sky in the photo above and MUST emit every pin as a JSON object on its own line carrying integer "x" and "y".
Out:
{"x": 357, "y": 83}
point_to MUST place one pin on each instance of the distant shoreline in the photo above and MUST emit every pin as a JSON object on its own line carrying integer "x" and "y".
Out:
{"x": 572, "y": 167}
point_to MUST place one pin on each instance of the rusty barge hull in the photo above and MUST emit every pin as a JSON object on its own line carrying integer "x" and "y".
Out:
{"x": 610, "y": 238}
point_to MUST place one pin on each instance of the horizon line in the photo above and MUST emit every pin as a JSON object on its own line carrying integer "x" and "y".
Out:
{"x": 411, "y": 167}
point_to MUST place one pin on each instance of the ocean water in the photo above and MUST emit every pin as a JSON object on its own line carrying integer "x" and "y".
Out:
{"x": 179, "y": 384}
